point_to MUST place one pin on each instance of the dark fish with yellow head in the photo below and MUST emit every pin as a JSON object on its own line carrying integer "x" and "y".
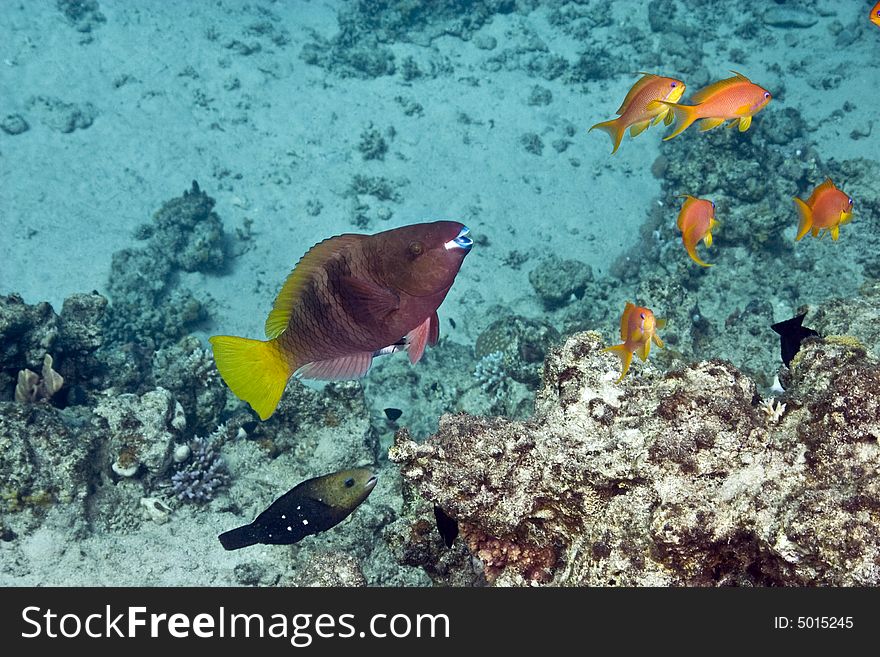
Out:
{"x": 349, "y": 299}
{"x": 308, "y": 508}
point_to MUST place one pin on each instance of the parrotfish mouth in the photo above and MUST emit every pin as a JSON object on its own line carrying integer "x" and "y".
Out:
{"x": 462, "y": 241}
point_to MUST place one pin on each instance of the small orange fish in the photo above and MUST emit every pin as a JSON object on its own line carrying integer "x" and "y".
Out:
{"x": 696, "y": 221}
{"x": 737, "y": 99}
{"x": 641, "y": 107}
{"x": 637, "y": 329}
{"x": 875, "y": 15}
{"x": 826, "y": 209}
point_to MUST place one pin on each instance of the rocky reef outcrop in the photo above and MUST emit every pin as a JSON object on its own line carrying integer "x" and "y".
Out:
{"x": 684, "y": 478}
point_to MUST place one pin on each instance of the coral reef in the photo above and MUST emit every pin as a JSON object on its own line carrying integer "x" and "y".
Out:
{"x": 679, "y": 479}
{"x": 555, "y": 280}
{"x": 523, "y": 342}
{"x": 46, "y": 457}
{"x": 29, "y": 332}
{"x": 142, "y": 430}
{"x": 147, "y": 304}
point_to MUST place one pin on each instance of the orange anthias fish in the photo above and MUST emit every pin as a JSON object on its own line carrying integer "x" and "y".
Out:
{"x": 875, "y": 15}
{"x": 641, "y": 107}
{"x": 637, "y": 330}
{"x": 827, "y": 209}
{"x": 696, "y": 221}
{"x": 350, "y": 298}
{"x": 737, "y": 99}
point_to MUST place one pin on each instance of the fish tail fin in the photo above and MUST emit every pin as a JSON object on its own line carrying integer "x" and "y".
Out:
{"x": 685, "y": 115}
{"x": 625, "y": 356}
{"x": 255, "y": 371}
{"x": 238, "y": 538}
{"x": 691, "y": 247}
{"x": 806, "y": 218}
{"x": 615, "y": 130}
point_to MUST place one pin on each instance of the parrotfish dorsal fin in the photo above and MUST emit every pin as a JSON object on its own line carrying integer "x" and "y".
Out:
{"x": 645, "y": 80}
{"x": 716, "y": 87}
{"x": 302, "y": 273}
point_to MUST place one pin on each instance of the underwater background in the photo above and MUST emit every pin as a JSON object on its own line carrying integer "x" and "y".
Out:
{"x": 163, "y": 166}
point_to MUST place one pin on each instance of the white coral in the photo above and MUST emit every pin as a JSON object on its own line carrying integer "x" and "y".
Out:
{"x": 773, "y": 409}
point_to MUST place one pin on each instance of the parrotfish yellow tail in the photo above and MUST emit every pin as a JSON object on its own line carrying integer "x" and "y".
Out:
{"x": 806, "y": 218}
{"x": 615, "y": 129}
{"x": 256, "y": 371}
{"x": 685, "y": 115}
{"x": 625, "y": 358}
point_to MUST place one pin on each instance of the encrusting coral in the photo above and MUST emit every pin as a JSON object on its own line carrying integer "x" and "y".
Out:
{"x": 673, "y": 479}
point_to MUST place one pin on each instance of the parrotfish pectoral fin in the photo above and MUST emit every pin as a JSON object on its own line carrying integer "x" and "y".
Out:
{"x": 707, "y": 239}
{"x": 685, "y": 115}
{"x": 656, "y": 338}
{"x": 625, "y": 356}
{"x": 806, "y": 218}
{"x": 615, "y": 130}
{"x": 421, "y": 336}
{"x": 835, "y": 231}
{"x": 367, "y": 300}
{"x": 255, "y": 371}
{"x": 709, "y": 124}
{"x": 239, "y": 537}
{"x": 744, "y": 123}
{"x": 344, "y": 368}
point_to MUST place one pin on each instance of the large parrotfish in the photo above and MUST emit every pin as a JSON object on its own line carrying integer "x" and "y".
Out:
{"x": 308, "y": 508}
{"x": 350, "y": 298}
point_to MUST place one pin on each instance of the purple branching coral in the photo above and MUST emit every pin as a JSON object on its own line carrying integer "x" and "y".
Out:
{"x": 201, "y": 477}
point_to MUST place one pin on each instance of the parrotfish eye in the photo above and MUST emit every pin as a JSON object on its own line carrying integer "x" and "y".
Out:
{"x": 673, "y": 85}
{"x": 642, "y": 315}
{"x": 713, "y": 204}
{"x": 766, "y": 94}
{"x": 850, "y": 200}
{"x": 416, "y": 249}
{"x": 349, "y": 482}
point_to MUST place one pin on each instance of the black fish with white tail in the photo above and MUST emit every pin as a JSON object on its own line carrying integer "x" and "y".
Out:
{"x": 308, "y": 508}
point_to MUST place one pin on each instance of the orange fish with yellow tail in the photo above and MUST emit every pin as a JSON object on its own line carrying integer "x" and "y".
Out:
{"x": 875, "y": 15}
{"x": 827, "y": 209}
{"x": 641, "y": 107}
{"x": 735, "y": 99}
{"x": 637, "y": 329}
{"x": 696, "y": 221}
